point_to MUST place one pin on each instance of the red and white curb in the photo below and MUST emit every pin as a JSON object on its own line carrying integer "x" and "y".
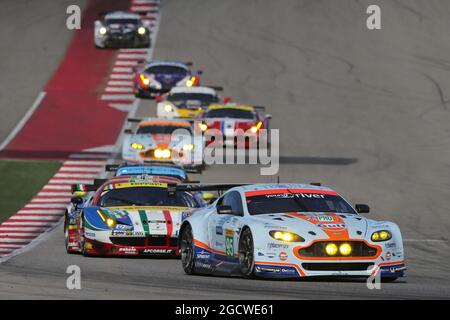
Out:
{"x": 47, "y": 207}
{"x": 22, "y": 230}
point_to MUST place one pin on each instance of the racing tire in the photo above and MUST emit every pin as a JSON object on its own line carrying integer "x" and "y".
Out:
{"x": 246, "y": 254}
{"x": 187, "y": 250}
{"x": 66, "y": 235}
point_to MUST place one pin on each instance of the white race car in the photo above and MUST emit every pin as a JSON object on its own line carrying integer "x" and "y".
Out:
{"x": 185, "y": 102}
{"x": 163, "y": 141}
{"x": 287, "y": 231}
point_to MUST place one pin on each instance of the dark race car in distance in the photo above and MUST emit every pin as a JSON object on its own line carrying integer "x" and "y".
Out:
{"x": 121, "y": 29}
{"x": 157, "y": 77}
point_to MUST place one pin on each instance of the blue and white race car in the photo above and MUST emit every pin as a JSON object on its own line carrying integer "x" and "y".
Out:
{"x": 157, "y": 77}
{"x": 287, "y": 231}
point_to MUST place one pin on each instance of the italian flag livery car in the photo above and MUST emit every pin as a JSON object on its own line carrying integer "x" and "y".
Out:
{"x": 127, "y": 215}
{"x": 288, "y": 231}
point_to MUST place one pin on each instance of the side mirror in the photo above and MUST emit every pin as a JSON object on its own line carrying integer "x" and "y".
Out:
{"x": 76, "y": 200}
{"x": 224, "y": 210}
{"x": 128, "y": 131}
{"x": 158, "y": 98}
{"x": 268, "y": 116}
{"x": 362, "y": 208}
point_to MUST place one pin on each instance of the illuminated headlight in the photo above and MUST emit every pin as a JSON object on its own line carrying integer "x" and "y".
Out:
{"x": 345, "y": 249}
{"x": 141, "y": 30}
{"x": 162, "y": 153}
{"x": 203, "y": 126}
{"x": 191, "y": 82}
{"x": 168, "y": 107}
{"x": 102, "y": 31}
{"x": 137, "y": 146}
{"x": 188, "y": 147}
{"x": 285, "y": 236}
{"x": 144, "y": 79}
{"x": 331, "y": 249}
{"x": 255, "y": 129}
{"x": 382, "y": 235}
{"x": 111, "y": 222}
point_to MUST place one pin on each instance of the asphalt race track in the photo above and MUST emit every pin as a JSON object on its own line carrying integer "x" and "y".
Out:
{"x": 365, "y": 112}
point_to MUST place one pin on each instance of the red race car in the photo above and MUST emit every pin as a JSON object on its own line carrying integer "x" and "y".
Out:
{"x": 235, "y": 124}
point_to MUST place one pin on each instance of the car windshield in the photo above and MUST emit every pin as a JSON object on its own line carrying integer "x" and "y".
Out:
{"x": 184, "y": 96}
{"x": 167, "y": 70}
{"x": 166, "y": 129}
{"x": 122, "y": 21}
{"x": 297, "y": 202}
{"x": 146, "y": 196}
{"x": 230, "y": 113}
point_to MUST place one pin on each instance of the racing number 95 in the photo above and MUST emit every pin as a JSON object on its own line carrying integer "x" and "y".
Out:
{"x": 246, "y": 309}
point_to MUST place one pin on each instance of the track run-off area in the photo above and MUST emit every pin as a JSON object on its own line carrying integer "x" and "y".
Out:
{"x": 364, "y": 112}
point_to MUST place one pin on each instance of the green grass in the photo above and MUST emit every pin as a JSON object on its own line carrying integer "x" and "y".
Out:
{"x": 20, "y": 181}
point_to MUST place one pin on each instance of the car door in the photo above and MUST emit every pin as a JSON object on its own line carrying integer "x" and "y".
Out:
{"x": 227, "y": 227}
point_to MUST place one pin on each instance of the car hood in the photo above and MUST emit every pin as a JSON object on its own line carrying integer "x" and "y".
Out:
{"x": 316, "y": 225}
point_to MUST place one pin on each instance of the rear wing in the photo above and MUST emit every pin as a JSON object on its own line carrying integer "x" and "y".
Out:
{"x": 172, "y": 189}
{"x": 260, "y": 109}
{"x": 217, "y": 88}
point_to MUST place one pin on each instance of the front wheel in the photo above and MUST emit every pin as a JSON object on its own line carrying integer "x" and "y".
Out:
{"x": 246, "y": 254}
{"x": 187, "y": 250}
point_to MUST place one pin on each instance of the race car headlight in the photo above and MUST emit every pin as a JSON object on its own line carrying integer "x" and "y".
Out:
{"x": 102, "y": 31}
{"x": 162, "y": 153}
{"x": 381, "y": 235}
{"x": 191, "y": 82}
{"x": 109, "y": 221}
{"x": 285, "y": 236}
{"x": 331, "y": 249}
{"x": 168, "y": 107}
{"x": 255, "y": 129}
{"x": 203, "y": 126}
{"x": 137, "y": 146}
{"x": 188, "y": 147}
{"x": 144, "y": 79}
{"x": 141, "y": 31}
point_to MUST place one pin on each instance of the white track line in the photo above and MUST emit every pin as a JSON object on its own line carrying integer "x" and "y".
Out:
{"x": 120, "y": 83}
{"x": 119, "y": 89}
{"x": 121, "y": 76}
{"x": 25, "y": 118}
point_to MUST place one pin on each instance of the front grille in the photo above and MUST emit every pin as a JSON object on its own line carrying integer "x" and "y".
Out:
{"x": 156, "y": 241}
{"x": 128, "y": 241}
{"x": 317, "y": 250}
{"x": 342, "y": 266}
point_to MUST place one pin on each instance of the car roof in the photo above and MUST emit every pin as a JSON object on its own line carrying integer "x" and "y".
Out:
{"x": 277, "y": 186}
{"x": 155, "y": 63}
{"x": 122, "y": 15}
{"x": 205, "y": 90}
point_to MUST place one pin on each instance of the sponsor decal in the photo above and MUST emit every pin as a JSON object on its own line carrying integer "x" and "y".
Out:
{"x": 90, "y": 234}
{"x": 158, "y": 251}
{"x": 203, "y": 255}
{"x": 332, "y": 226}
{"x": 272, "y": 245}
{"x": 283, "y": 256}
{"x": 325, "y": 218}
{"x": 219, "y": 230}
{"x": 295, "y": 195}
{"x": 128, "y": 250}
{"x": 388, "y": 255}
{"x": 124, "y": 227}
{"x": 119, "y": 233}
{"x": 229, "y": 245}
{"x": 390, "y": 245}
{"x": 268, "y": 269}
